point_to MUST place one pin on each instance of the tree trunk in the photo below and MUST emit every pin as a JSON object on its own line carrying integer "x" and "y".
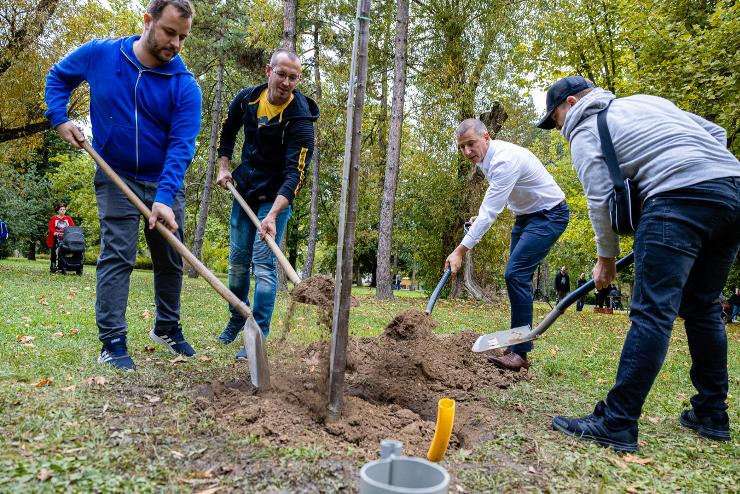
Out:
{"x": 282, "y": 278}
{"x": 290, "y": 9}
{"x": 31, "y": 250}
{"x": 205, "y": 201}
{"x": 385, "y": 230}
{"x": 20, "y": 36}
{"x": 314, "y": 219}
{"x": 343, "y": 294}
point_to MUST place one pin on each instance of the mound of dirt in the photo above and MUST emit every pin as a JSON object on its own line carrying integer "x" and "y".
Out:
{"x": 317, "y": 290}
{"x": 392, "y": 386}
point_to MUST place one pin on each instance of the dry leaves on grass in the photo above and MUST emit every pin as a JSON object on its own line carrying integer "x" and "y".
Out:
{"x": 58, "y": 334}
{"x": 44, "y": 381}
{"x": 43, "y": 301}
{"x": 146, "y": 315}
{"x": 96, "y": 381}
{"x": 24, "y": 338}
{"x": 26, "y": 319}
{"x": 637, "y": 460}
{"x": 44, "y": 474}
{"x": 205, "y": 358}
{"x": 152, "y": 398}
{"x": 73, "y": 331}
{"x": 178, "y": 359}
{"x": 211, "y": 490}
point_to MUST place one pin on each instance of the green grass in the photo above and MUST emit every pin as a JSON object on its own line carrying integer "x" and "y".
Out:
{"x": 82, "y": 437}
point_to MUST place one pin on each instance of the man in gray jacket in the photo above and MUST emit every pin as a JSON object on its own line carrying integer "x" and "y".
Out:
{"x": 686, "y": 241}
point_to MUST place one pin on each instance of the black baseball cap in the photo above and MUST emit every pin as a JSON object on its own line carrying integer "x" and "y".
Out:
{"x": 567, "y": 86}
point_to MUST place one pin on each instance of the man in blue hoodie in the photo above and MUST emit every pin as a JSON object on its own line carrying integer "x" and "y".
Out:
{"x": 145, "y": 109}
{"x": 277, "y": 121}
{"x": 685, "y": 244}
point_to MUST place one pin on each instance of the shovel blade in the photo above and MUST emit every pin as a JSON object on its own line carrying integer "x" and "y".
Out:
{"x": 254, "y": 342}
{"x": 502, "y": 339}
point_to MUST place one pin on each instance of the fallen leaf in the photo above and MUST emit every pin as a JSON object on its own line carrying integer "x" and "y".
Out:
{"x": 29, "y": 345}
{"x": 179, "y": 358}
{"x": 24, "y": 338}
{"x": 177, "y": 454}
{"x": 58, "y": 334}
{"x": 73, "y": 331}
{"x": 211, "y": 490}
{"x": 152, "y": 398}
{"x": 205, "y": 358}
{"x": 617, "y": 462}
{"x": 554, "y": 350}
{"x": 653, "y": 420}
{"x": 69, "y": 388}
{"x": 44, "y": 381}
{"x": 26, "y": 319}
{"x": 43, "y": 301}
{"x": 531, "y": 469}
{"x": 149, "y": 349}
{"x": 637, "y": 460}
{"x": 146, "y": 315}
{"x": 631, "y": 490}
{"x": 44, "y": 475}
{"x": 460, "y": 488}
{"x": 96, "y": 380}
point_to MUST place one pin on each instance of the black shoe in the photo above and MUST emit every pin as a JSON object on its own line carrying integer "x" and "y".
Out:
{"x": 53, "y": 269}
{"x": 230, "y": 332}
{"x": 593, "y": 428}
{"x": 115, "y": 354}
{"x": 715, "y": 427}
{"x": 173, "y": 339}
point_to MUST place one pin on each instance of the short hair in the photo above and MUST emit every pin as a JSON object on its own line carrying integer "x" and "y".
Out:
{"x": 184, "y": 7}
{"x": 59, "y": 205}
{"x": 471, "y": 123}
{"x": 292, "y": 55}
{"x": 581, "y": 94}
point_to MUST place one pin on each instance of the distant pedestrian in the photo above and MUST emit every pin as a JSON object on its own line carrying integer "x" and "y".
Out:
{"x": 562, "y": 283}
{"x": 57, "y": 223}
{"x": 581, "y": 301}
{"x": 735, "y": 302}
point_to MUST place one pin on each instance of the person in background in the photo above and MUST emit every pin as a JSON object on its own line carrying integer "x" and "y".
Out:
{"x": 581, "y": 301}
{"x": 57, "y": 223}
{"x": 562, "y": 284}
{"x": 735, "y": 303}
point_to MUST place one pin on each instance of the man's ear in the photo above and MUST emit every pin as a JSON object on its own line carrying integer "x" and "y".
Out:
{"x": 572, "y": 100}
{"x": 147, "y": 20}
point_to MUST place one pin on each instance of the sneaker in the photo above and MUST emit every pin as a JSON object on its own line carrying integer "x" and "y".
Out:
{"x": 242, "y": 354}
{"x": 115, "y": 354}
{"x": 594, "y": 428}
{"x": 172, "y": 338}
{"x": 713, "y": 427}
{"x": 230, "y": 332}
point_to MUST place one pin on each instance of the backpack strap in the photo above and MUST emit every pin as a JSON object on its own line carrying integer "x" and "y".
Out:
{"x": 607, "y": 147}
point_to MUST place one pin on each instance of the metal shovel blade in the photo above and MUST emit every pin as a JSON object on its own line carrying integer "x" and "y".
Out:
{"x": 254, "y": 342}
{"x": 505, "y": 338}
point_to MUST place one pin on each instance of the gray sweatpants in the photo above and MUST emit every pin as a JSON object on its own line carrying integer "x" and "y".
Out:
{"x": 119, "y": 229}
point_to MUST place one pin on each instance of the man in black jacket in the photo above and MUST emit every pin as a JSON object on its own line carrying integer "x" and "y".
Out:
{"x": 278, "y": 143}
{"x": 562, "y": 283}
{"x": 735, "y": 302}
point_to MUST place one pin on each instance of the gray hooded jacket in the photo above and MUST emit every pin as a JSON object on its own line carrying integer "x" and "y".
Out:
{"x": 659, "y": 146}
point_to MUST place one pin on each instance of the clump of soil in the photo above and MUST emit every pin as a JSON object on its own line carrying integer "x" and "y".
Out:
{"x": 410, "y": 324}
{"x": 316, "y": 290}
{"x": 392, "y": 385}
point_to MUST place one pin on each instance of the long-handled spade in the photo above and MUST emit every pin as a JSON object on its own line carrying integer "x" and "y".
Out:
{"x": 521, "y": 334}
{"x": 284, "y": 263}
{"x": 259, "y": 368}
{"x": 437, "y": 290}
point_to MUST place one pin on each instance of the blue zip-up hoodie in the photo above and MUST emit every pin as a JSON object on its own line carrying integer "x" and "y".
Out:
{"x": 144, "y": 120}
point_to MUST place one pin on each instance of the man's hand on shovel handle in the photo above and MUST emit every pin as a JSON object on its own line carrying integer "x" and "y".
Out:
{"x": 454, "y": 260}
{"x": 605, "y": 271}
{"x": 71, "y": 133}
{"x": 163, "y": 213}
{"x": 224, "y": 175}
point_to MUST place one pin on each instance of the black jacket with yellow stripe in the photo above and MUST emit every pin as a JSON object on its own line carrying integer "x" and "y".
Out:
{"x": 275, "y": 155}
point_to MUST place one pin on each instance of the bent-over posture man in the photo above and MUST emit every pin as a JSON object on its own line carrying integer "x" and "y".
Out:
{"x": 517, "y": 178}
{"x": 278, "y": 144}
{"x": 686, "y": 241}
{"x": 145, "y": 112}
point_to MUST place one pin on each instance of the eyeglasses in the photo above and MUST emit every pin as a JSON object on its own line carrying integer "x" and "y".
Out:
{"x": 293, "y": 78}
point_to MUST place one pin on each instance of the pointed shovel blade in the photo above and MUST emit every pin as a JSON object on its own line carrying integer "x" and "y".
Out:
{"x": 254, "y": 342}
{"x": 504, "y": 338}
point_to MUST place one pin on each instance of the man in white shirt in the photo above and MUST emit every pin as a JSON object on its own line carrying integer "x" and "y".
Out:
{"x": 517, "y": 178}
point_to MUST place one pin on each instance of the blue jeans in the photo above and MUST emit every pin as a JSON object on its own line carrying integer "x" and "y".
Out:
{"x": 531, "y": 239}
{"x": 735, "y": 312}
{"x": 246, "y": 251}
{"x": 684, "y": 247}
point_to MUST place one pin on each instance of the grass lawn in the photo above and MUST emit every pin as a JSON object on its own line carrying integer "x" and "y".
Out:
{"x": 72, "y": 425}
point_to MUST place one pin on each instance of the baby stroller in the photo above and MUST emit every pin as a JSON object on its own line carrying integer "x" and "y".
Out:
{"x": 71, "y": 250}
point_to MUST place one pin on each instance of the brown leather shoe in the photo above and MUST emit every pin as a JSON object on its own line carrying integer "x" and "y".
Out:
{"x": 509, "y": 360}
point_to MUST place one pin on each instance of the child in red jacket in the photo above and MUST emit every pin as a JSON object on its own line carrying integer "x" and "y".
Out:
{"x": 57, "y": 224}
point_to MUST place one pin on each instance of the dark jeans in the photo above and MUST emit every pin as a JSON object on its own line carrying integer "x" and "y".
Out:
{"x": 119, "y": 235}
{"x": 57, "y": 261}
{"x": 684, "y": 247}
{"x": 531, "y": 239}
{"x": 247, "y": 250}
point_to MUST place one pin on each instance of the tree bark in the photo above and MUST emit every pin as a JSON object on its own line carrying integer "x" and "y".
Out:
{"x": 30, "y": 29}
{"x": 385, "y": 230}
{"x": 340, "y": 333}
{"x": 290, "y": 15}
{"x": 314, "y": 220}
{"x": 8, "y": 134}
{"x": 205, "y": 201}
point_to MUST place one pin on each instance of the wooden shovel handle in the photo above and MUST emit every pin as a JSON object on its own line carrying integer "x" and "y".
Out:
{"x": 175, "y": 242}
{"x": 289, "y": 271}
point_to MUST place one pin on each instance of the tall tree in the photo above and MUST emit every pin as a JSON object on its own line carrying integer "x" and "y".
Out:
{"x": 385, "y": 231}
{"x": 290, "y": 21}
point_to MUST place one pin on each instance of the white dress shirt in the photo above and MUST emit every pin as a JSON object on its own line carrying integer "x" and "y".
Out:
{"x": 515, "y": 176}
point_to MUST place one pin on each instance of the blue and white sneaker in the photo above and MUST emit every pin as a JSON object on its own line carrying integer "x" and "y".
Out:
{"x": 115, "y": 354}
{"x": 173, "y": 339}
{"x": 242, "y": 354}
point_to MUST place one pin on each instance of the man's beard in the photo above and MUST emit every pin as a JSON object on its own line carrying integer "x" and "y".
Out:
{"x": 156, "y": 50}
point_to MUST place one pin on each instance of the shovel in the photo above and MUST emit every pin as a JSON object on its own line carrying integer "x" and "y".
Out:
{"x": 259, "y": 368}
{"x": 522, "y": 334}
{"x": 284, "y": 263}
{"x": 437, "y": 290}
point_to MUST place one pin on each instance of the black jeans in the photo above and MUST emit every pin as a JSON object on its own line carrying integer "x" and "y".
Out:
{"x": 684, "y": 247}
{"x": 119, "y": 235}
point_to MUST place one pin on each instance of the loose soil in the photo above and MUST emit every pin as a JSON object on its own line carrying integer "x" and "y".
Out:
{"x": 317, "y": 290}
{"x": 392, "y": 385}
